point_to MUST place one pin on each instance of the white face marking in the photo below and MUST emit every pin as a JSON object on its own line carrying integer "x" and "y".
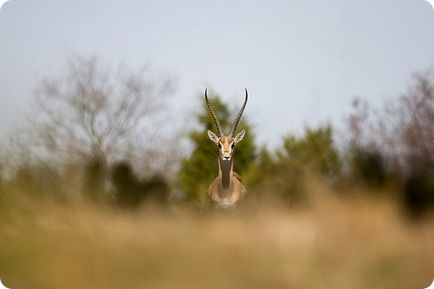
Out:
{"x": 226, "y": 144}
{"x": 226, "y": 147}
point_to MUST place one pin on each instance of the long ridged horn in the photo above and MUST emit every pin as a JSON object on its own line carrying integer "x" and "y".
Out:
{"x": 214, "y": 117}
{"x": 237, "y": 119}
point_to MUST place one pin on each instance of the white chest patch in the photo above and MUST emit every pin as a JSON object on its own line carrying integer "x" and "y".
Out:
{"x": 226, "y": 203}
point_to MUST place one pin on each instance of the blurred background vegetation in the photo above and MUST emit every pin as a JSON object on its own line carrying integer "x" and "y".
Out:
{"x": 97, "y": 190}
{"x": 102, "y": 133}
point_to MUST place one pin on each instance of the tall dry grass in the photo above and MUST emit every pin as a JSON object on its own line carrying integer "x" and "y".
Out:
{"x": 332, "y": 244}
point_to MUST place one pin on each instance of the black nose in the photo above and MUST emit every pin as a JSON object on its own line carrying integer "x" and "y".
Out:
{"x": 226, "y": 158}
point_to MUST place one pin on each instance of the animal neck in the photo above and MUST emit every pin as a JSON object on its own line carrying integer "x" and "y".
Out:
{"x": 225, "y": 171}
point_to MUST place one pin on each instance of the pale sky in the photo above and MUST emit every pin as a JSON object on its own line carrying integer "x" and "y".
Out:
{"x": 301, "y": 60}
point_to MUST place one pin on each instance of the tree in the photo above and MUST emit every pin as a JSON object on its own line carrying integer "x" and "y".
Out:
{"x": 402, "y": 131}
{"x": 90, "y": 116}
{"x": 94, "y": 179}
{"x": 198, "y": 170}
{"x": 94, "y": 111}
{"x": 315, "y": 151}
{"x": 413, "y": 132}
{"x": 284, "y": 173}
{"x": 411, "y": 138}
{"x": 396, "y": 144}
{"x": 130, "y": 192}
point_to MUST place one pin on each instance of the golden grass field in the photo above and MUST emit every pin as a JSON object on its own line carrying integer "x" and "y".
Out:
{"x": 332, "y": 244}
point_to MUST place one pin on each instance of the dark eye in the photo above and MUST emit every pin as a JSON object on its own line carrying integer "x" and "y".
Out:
{"x": 220, "y": 145}
{"x": 232, "y": 145}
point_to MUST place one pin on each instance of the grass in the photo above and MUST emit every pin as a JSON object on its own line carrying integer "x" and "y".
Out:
{"x": 332, "y": 244}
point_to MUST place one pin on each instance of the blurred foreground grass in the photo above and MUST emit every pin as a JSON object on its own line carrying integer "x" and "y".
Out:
{"x": 332, "y": 244}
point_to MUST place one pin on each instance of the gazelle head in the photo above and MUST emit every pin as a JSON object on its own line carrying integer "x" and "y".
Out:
{"x": 226, "y": 143}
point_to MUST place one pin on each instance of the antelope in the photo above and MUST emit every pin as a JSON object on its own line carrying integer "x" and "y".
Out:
{"x": 226, "y": 190}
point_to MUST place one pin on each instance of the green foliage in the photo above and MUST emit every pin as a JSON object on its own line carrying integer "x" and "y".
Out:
{"x": 284, "y": 173}
{"x": 315, "y": 151}
{"x": 200, "y": 168}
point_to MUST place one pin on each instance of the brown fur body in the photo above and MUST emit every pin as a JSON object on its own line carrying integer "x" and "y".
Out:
{"x": 226, "y": 195}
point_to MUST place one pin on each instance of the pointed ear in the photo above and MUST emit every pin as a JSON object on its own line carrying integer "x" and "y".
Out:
{"x": 239, "y": 136}
{"x": 213, "y": 137}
